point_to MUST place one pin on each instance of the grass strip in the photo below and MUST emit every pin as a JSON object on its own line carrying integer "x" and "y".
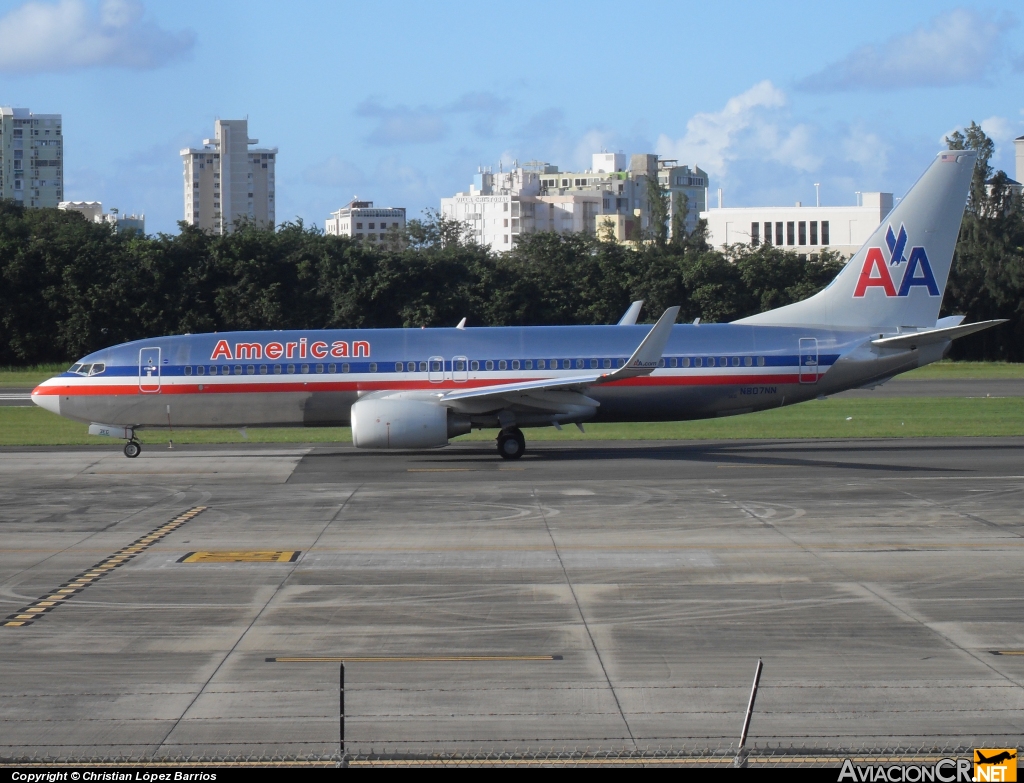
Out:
{"x": 909, "y": 417}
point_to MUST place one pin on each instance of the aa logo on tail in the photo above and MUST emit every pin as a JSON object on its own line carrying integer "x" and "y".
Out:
{"x": 876, "y": 274}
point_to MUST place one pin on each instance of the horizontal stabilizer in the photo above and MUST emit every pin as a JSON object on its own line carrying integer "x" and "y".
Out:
{"x": 932, "y": 336}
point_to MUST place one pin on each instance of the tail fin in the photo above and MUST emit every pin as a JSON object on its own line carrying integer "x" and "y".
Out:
{"x": 897, "y": 278}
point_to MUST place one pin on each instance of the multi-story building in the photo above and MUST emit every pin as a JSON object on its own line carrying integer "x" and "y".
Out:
{"x": 360, "y": 219}
{"x": 227, "y": 183}
{"x": 31, "y": 157}
{"x": 799, "y": 228}
{"x": 500, "y": 207}
{"x": 624, "y": 191}
{"x": 93, "y": 212}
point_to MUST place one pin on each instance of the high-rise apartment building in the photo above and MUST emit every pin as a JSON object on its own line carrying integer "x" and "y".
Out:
{"x": 226, "y": 182}
{"x": 31, "y": 157}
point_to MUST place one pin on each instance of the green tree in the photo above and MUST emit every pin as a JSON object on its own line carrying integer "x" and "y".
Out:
{"x": 657, "y": 208}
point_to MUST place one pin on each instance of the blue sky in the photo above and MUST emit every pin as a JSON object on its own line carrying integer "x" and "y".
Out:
{"x": 400, "y": 102}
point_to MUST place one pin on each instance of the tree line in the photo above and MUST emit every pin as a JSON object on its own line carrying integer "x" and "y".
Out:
{"x": 70, "y": 287}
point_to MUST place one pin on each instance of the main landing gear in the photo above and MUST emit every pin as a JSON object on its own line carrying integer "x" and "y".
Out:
{"x": 132, "y": 449}
{"x": 511, "y": 443}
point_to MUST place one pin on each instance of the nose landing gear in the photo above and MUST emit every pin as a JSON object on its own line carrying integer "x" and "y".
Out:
{"x": 511, "y": 443}
{"x": 132, "y": 449}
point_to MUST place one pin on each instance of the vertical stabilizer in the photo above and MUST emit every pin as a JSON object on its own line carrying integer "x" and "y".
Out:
{"x": 898, "y": 277}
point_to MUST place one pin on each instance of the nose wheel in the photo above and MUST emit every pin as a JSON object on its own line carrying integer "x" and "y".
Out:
{"x": 511, "y": 443}
{"x": 132, "y": 449}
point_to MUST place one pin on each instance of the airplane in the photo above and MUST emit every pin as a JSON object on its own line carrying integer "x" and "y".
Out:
{"x": 1006, "y": 755}
{"x": 418, "y": 388}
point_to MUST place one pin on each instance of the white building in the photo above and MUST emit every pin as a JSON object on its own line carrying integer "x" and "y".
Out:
{"x": 31, "y": 157}
{"x": 500, "y": 207}
{"x": 360, "y": 219}
{"x": 93, "y": 212}
{"x": 226, "y": 182}
{"x": 799, "y": 228}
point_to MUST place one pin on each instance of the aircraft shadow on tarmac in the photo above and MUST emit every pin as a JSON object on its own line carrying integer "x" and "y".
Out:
{"x": 739, "y": 455}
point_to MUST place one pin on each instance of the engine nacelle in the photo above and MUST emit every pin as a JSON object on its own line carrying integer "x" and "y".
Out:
{"x": 396, "y": 423}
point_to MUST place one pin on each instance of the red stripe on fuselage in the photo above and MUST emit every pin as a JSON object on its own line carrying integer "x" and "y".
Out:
{"x": 174, "y": 387}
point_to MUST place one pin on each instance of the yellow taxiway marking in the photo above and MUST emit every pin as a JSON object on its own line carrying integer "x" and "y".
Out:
{"x": 1007, "y": 652}
{"x": 279, "y": 556}
{"x": 91, "y": 575}
{"x": 410, "y": 658}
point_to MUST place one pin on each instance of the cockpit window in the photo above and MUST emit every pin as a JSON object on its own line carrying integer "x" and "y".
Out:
{"x": 74, "y": 368}
{"x": 97, "y": 369}
{"x": 84, "y": 369}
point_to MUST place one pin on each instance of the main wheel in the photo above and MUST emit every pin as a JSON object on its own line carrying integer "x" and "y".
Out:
{"x": 511, "y": 443}
{"x": 132, "y": 449}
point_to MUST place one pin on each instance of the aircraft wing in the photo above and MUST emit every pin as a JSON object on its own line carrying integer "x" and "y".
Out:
{"x": 643, "y": 362}
{"x": 930, "y": 336}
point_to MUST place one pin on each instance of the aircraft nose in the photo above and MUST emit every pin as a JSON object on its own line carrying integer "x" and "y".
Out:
{"x": 45, "y": 398}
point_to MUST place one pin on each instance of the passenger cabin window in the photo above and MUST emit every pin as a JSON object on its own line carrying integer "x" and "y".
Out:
{"x": 711, "y": 361}
{"x": 760, "y": 361}
{"x": 489, "y": 365}
{"x": 373, "y": 366}
{"x": 263, "y": 369}
{"x": 529, "y": 364}
{"x": 188, "y": 370}
{"x": 320, "y": 368}
{"x": 291, "y": 369}
{"x": 332, "y": 368}
{"x": 698, "y": 362}
{"x": 686, "y": 361}
{"x": 423, "y": 366}
{"x": 399, "y": 367}
{"x": 305, "y": 368}
{"x": 200, "y": 370}
{"x": 747, "y": 361}
{"x": 250, "y": 369}
{"x": 474, "y": 365}
{"x": 735, "y": 361}
{"x": 502, "y": 365}
{"x": 607, "y": 363}
{"x": 238, "y": 369}
{"x": 277, "y": 369}
{"x": 345, "y": 367}
{"x": 515, "y": 364}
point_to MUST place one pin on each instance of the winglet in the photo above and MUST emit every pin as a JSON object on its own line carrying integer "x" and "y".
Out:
{"x": 461, "y": 324}
{"x": 630, "y": 316}
{"x": 647, "y": 355}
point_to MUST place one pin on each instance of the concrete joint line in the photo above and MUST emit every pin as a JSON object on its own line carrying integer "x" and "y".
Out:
{"x": 252, "y": 623}
{"x": 583, "y": 618}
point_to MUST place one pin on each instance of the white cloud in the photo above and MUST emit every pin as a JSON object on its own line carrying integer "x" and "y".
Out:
{"x": 957, "y": 47}
{"x": 999, "y": 129}
{"x": 750, "y": 125}
{"x": 68, "y": 34}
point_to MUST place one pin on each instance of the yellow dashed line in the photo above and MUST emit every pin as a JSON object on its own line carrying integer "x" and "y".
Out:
{"x": 77, "y": 584}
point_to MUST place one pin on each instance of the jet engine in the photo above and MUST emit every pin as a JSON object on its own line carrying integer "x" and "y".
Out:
{"x": 402, "y": 423}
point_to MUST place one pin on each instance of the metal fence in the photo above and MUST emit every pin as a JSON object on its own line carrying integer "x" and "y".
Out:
{"x": 755, "y": 756}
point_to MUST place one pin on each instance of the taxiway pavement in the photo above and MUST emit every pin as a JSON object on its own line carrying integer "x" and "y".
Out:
{"x": 613, "y": 595}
